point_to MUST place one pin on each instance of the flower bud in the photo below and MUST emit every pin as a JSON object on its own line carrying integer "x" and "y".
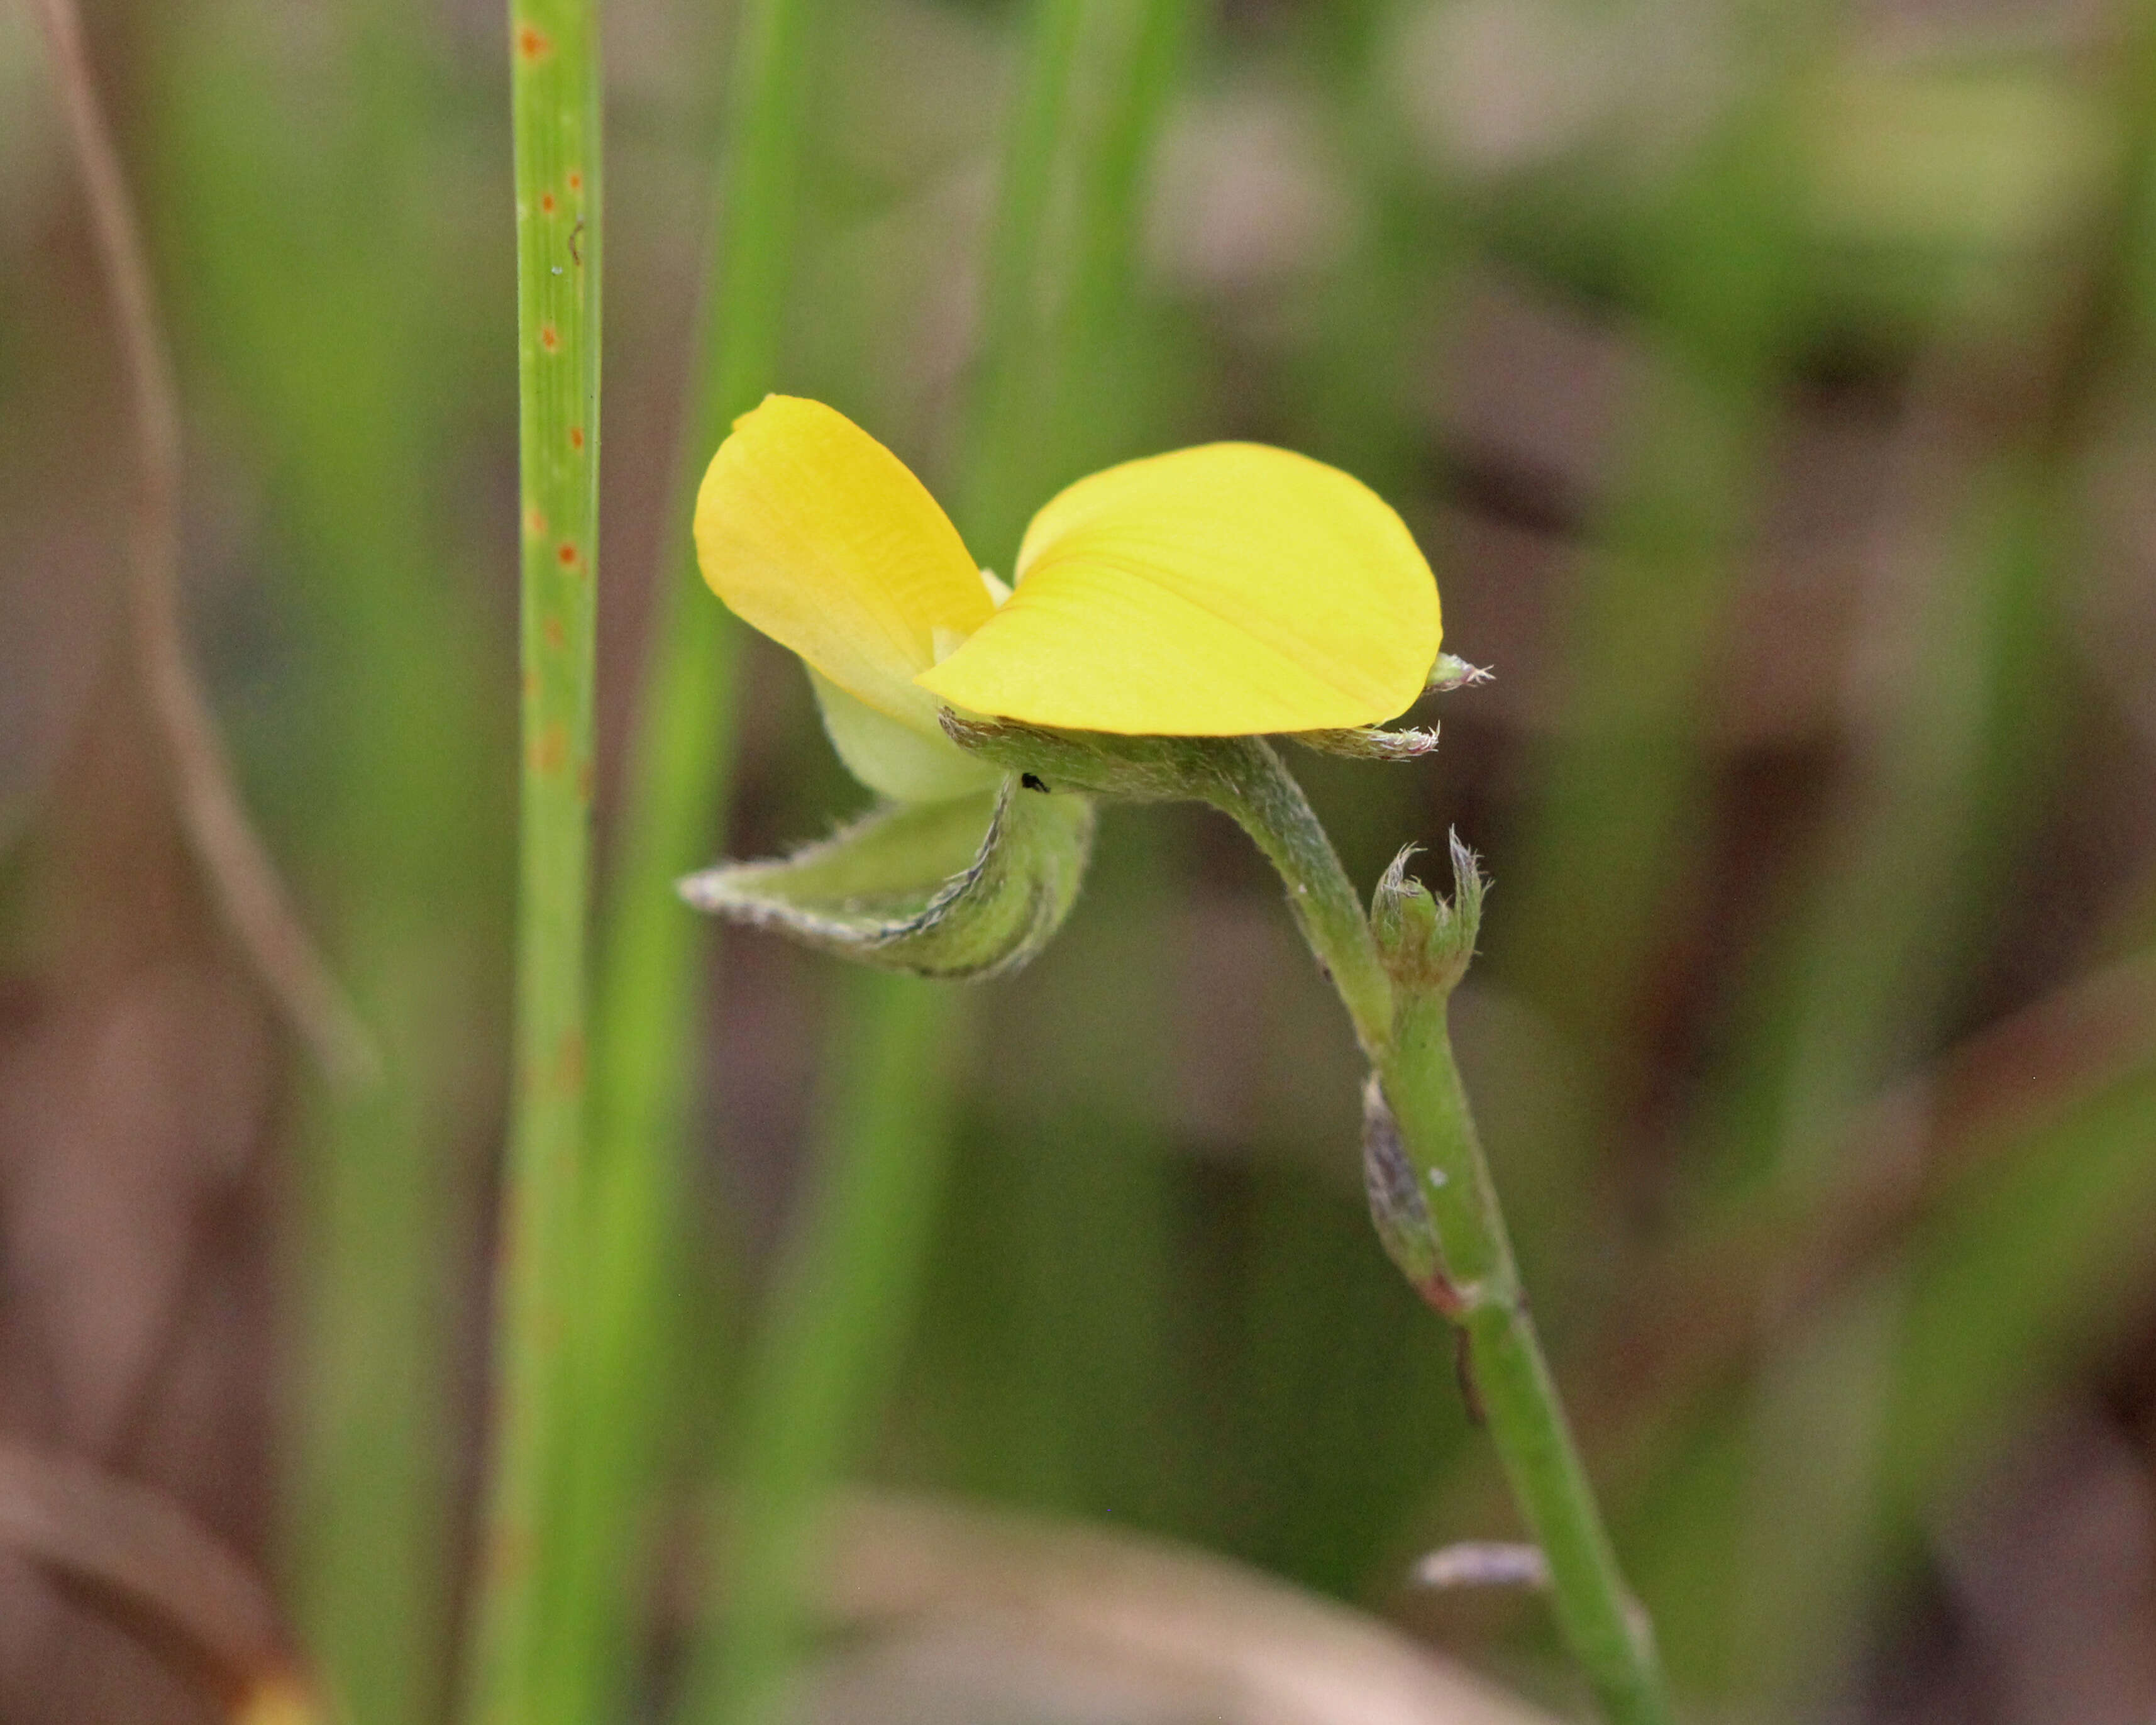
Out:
{"x": 1427, "y": 941}
{"x": 1450, "y": 673}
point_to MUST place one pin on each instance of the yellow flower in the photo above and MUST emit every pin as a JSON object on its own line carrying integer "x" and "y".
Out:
{"x": 1226, "y": 590}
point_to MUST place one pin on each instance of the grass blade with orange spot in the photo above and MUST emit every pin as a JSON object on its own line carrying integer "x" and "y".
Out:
{"x": 556, "y": 104}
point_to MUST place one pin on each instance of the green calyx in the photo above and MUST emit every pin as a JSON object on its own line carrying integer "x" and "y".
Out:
{"x": 1154, "y": 769}
{"x": 1369, "y": 743}
{"x": 1427, "y": 941}
{"x": 970, "y": 887}
{"x": 1132, "y": 769}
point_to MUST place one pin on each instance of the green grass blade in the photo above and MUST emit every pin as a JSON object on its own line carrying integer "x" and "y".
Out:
{"x": 1094, "y": 87}
{"x": 993, "y": 503}
{"x": 1625, "y": 784}
{"x": 335, "y": 338}
{"x": 1884, "y": 957}
{"x": 629, "y": 1353}
{"x": 1920, "y": 866}
{"x": 555, "y": 100}
{"x": 839, "y": 1317}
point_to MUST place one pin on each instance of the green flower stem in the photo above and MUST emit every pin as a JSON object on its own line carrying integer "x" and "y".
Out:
{"x": 1249, "y": 783}
{"x": 556, "y": 106}
{"x": 653, "y": 948}
{"x": 1403, "y": 1032}
{"x": 840, "y": 1311}
{"x": 1605, "y": 1629}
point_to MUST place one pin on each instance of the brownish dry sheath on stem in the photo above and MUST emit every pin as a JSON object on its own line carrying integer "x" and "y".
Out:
{"x": 241, "y": 878}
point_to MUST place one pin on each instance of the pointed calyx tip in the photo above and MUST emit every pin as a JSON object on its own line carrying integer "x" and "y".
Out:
{"x": 1450, "y": 673}
{"x": 1370, "y": 743}
{"x": 1427, "y": 941}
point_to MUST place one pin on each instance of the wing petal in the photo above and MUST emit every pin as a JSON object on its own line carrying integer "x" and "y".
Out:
{"x": 814, "y": 533}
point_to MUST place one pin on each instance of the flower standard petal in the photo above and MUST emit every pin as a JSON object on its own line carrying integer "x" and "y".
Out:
{"x": 814, "y": 533}
{"x": 1224, "y": 590}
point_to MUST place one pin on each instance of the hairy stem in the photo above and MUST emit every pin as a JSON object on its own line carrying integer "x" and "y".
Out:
{"x": 1263, "y": 798}
{"x": 1403, "y": 1032}
{"x": 555, "y": 100}
{"x": 1606, "y": 1630}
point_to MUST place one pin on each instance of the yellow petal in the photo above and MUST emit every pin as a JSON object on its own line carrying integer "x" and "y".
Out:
{"x": 814, "y": 533}
{"x": 1218, "y": 591}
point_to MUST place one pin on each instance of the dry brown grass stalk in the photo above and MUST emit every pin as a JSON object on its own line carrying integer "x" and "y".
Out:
{"x": 149, "y": 1566}
{"x": 244, "y": 880}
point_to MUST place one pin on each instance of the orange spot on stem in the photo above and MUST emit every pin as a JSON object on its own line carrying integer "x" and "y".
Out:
{"x": 551, "y": 753}
{"x": 556, "y": 636}
{"x": 576, "y": 181}
{"x": 575, "y": 437}
{"x": 547, "y": 339}
{"x": 535, "y": 523}
{"x": 511, "y": 1552}
{"x": 546, "y": 203}
{"x": 568, "y": 554}
{"x": 533, "y": 44}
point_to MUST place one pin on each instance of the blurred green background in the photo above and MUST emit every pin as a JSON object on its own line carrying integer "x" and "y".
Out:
{"x": 1770, "y": 388}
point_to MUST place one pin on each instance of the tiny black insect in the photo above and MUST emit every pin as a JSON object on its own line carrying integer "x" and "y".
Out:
{"x": 1032, "y": 782}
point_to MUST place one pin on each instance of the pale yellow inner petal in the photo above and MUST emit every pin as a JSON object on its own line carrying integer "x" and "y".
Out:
{"x": 897, "y": 760}
{"x": 814, "y": 533}
{"x": 1218, "y": 591}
